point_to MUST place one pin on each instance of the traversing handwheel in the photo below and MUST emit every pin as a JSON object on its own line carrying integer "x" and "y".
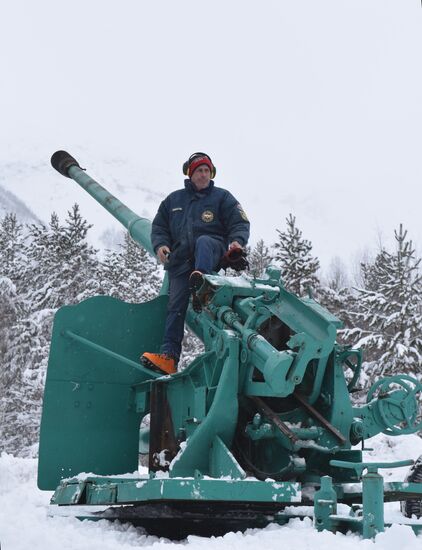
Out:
{"x": 398, "y": 407}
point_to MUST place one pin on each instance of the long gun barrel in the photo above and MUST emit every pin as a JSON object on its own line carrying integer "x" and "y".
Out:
{"x": 139, "y": 228}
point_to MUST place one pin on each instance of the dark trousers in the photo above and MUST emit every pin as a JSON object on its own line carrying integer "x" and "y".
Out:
{"x": 208, "y": 252}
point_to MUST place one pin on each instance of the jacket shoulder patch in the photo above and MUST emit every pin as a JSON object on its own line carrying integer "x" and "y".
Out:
{"x": 242, "y": 212}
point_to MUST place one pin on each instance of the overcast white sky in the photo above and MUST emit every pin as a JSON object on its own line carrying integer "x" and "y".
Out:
{"x": 312, "y": 107}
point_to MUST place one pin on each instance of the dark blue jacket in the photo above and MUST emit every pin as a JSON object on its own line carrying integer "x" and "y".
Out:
{"x": 187, "y": 214}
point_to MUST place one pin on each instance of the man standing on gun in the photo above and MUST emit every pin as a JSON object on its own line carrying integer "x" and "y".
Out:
{"x": 191, "y": 232}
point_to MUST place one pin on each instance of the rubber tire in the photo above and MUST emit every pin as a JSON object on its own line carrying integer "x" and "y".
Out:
{"x": 413, "y": 507}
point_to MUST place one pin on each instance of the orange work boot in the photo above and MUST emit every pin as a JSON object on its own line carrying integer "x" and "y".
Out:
{"x": 196, "y": 280}
{"x": 160, "y": 362}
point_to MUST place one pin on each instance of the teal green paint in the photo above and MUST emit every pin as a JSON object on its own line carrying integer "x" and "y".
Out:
{"x": 223, "y": 463}
{"x": 395, "y": 409}
{"x": 373, "y": 505}
{"x": 372, "y": 521}
{"x": 325, "y": 504}
{"x": 89, "y": 422}
{"x": 108, "y": 491}
{"x": 221, "y": 419}
{"x": 97, "y": 393}
{"x": 109, "y": 353}
{"x": 139, "y": 228}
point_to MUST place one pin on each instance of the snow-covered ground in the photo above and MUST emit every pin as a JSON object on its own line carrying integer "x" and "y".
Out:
{"x": 26, "y": 525}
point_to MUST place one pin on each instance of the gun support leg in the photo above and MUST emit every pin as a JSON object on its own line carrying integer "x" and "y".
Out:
{"x": 373, "y": 504}
{"x": 325, "y": 504}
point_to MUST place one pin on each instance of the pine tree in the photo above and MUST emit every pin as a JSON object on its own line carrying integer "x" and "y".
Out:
{"x": 259, "y": 259}
{"x": 130, "y": 274}
{"x": 23, "y": 383}
{"x": 60, "y": 268}
{"x": 12, "y": 241}
{"x": 336, "y": 295}
{"x": 62, "y": 264}
{"x": 340, "y": 302}
{"x": 11, "y": 267}
{"x": 293, "y": 253}
{"x": 390, "y": 310}
{"x": 9, "y": 312}
{"x": 12, "y": 264}
{"x": 337, "y": 274}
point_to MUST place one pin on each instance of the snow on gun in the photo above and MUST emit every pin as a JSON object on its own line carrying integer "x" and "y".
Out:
{"x": 262, "y": 419}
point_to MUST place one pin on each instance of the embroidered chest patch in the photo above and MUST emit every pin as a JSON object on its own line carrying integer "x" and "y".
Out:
{"x": 207, "y": 216}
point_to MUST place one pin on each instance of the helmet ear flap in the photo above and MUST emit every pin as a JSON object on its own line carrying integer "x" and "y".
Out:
{"x": 186, "y": 168}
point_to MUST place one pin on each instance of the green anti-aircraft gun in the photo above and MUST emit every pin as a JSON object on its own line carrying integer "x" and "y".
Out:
{"x": 262, "y": 421}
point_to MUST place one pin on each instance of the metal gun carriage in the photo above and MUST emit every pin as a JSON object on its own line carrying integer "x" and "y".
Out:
{"x": 261, "y": 420}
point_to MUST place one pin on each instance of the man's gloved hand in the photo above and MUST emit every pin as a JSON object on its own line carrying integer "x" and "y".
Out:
{"x": 163, "y": 254}
{"x": 235, "y": 258}
{"x": 235, "y": 244}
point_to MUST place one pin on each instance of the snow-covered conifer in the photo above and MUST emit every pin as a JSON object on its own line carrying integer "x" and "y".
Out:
{"x": 23, "y": 383}
{"x": 62, "y": 264}
{"x": 130, "y": 274}
{"x": 336, "y": 295}
{"x": 60, "y": 269}
{"x": 259, "y": 259}
{"x": 11, "y": 249}
{"x": 293, "y": 253}
{"x": 9, "y": 312}
{"x": 389, "y": 313}
{"x": 11, "y": 268}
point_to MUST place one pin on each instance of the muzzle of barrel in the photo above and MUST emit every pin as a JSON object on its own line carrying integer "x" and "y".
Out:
{"x": 62, "y": 161}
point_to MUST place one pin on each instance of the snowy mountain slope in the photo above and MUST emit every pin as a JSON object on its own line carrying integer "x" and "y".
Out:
{"x": 24, "y": 522}
{"x": 30, "y": 183}
{"x": 9, "y": 203}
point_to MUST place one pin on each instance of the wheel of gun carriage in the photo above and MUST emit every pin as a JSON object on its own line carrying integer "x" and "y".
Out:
{"x": 413, "y": 507}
